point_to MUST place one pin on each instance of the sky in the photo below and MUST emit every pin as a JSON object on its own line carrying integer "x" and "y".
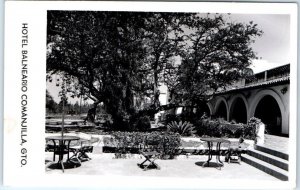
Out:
{"x": 273, "y": 47}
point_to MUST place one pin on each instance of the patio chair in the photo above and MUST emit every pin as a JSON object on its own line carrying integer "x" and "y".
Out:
{"x": 235, "y": 151}
{"x": 80, "y": 153}
{"x": 49, "y": 147}
{"x": 80, "y": 150}
{"x": 150, "y": 152}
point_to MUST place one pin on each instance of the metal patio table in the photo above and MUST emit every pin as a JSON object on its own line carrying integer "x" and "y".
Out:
{"x": 210, "y": 141}
{"x": 62, "y": 148}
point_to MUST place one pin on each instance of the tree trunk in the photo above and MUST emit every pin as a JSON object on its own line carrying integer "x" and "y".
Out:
{"x": 156, "y": 92}
{"x": 92, "y": 113}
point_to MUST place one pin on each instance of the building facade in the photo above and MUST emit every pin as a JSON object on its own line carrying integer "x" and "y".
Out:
{"x": 266, "y": 97}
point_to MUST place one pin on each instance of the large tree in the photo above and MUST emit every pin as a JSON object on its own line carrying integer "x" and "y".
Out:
{"x": 121, "y": 58}
{"x": 98, "y": 54}
{"x": 217, "y": 53}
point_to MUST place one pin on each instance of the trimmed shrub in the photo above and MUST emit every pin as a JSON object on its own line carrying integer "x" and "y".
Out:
{"x": 125, "y": 142}
{"x": 218, "y": 128}
{"x": 207, "y": 127}
{"x": 232, "y": 130}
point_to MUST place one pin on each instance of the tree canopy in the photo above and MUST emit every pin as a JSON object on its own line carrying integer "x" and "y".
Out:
{"x": 121, "y": 58}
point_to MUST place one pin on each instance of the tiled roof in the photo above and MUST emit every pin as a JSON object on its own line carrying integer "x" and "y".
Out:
{"x": 284, "y": 79}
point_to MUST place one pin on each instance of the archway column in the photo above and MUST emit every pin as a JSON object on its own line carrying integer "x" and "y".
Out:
{"x": 285, "y": 123}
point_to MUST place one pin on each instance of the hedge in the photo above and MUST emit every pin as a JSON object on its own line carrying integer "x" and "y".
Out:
{"x": 216, "y": 128}
{"x": 129, "y": 142}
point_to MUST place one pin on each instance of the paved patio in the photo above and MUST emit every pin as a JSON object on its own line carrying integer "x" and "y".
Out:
{"x": 280, "y": 144}
{"x": 185, "y": 167}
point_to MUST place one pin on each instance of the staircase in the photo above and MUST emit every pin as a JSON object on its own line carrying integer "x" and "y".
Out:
{"x": 269, "y": 160}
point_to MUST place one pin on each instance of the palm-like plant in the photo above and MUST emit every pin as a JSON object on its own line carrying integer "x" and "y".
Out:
{"x": 183, "y": 128}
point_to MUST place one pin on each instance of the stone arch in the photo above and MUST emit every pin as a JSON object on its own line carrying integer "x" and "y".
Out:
{"x": 210, "y": 107}
{"x": 277, "y": 97}
{"x": 219, "y": 102}
{"x": 241, "y": 115}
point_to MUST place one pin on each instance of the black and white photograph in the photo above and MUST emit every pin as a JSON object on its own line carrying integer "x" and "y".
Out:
{"x": 168, "y": 94}
{"x": 150, "y": 94}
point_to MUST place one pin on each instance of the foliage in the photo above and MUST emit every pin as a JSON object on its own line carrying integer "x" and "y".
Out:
{"x": 207, "y": 127}
{"x": 234, "y": 130}
{"x": 218, "y": 128}
{"x": 254, "y": 121}
{"x": 54, "y": 108}
{"x": 166, "y": 142}
{"x": 170, "y": 118}
{"x": 183, "y": 128}
{"x": 252, "y": 124}
{"x": 218, "y": 55}
{"x": 103, "y": 119}
{"x": 249, "y": 132}
{"x": 143, "y": 124}
{"x": 185, "y": 116}
{"x": 51, "y": 105}
{"x": 120, "y": 58}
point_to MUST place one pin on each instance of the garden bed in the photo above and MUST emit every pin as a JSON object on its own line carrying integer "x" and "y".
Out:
{"x": 189, "y": 146}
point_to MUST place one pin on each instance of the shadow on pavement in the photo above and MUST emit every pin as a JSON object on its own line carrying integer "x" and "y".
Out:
{"x": 211, "y": 164}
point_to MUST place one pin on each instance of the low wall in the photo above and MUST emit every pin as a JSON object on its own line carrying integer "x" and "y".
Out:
{"x": 191, "y": 145}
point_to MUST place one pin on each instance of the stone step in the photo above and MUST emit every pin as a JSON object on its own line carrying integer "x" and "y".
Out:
{"x": 274, "y": 160}
{"x": 265, "y": 167}
{"x": 272, "y": 152}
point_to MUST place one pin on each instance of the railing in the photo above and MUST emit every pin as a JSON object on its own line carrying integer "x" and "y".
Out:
{"x": 269, "y": 75}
